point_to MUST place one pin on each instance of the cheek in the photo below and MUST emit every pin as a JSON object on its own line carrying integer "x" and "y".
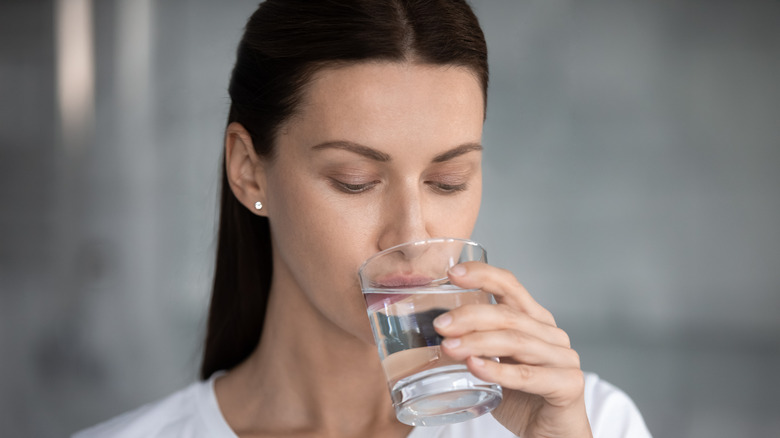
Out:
{"x": 456, "y": 216}
{"x": 301, "y": 221}
{"x": 319, "y": 236}
{"x": 322, "y": 243}
{"x": 473, "y": 202}
{"x": 311, "y": 219}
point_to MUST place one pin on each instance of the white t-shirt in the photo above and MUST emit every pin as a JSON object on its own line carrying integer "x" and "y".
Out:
{"x": 193, "y": 412}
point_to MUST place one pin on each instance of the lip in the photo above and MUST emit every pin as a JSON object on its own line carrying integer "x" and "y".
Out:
{"x": 394, "y": 282}
{"x": 401, "y": 281}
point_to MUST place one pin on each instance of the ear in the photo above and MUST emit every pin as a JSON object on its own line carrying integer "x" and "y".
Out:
{"x": 245, "y": 170}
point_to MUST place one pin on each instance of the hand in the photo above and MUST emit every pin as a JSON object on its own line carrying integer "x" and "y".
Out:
{"x": 540, "y": 373}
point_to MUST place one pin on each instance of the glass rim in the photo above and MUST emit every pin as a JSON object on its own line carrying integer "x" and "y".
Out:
{"x": 417, "y": 243}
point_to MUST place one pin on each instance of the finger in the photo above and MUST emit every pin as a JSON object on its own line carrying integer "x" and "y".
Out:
{"x": 502, "y": 284}
{"x": 559, "y": 386}
{"x": 484, "y": 317}
{"x": 510, "y": 344}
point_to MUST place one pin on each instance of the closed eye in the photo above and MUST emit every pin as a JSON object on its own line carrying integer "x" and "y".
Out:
{"x": 352, "y": 188}
{"x": 447, "y": 188}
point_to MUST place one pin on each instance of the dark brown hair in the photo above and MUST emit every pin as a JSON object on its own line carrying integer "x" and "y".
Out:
{"x": 285, "y": 42}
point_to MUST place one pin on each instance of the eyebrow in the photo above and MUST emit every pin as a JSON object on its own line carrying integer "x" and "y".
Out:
{"x": 376, "y": 155}
{"x": 458, "y": 151}
{"x": 354, "y": 147}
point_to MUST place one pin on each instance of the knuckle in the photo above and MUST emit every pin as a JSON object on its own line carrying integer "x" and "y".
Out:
{"x": 517, "y": 338}
{"x": 503, "y": 315}
{"x": 578, "y": 381}
{"x": 508, "y": 314}
{"x": 543, "y": 315}
{"x": 468, "y": 341}
{"x": 468, "y": 314}
{"x": 501, "y": 376}
{"x": 460, "y": 313}
{"x": 575, "y": 359}
{"x": 563, "y": 337}
{"x": 523, "y": 372}
{"x": 546, "y": 315}
{"x": 512, "y": 280}
{"x": 505, "y": 308}
{"x": 508, "y": 277}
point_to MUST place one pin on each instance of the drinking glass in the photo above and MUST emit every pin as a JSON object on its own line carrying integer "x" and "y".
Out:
{"x": 406, "y": 287}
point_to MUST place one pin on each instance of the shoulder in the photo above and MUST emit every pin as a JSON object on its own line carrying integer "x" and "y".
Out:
{"x": 191, "y": 412}
{"x": 611, "y": 413}
{"x": 168, "y": 417}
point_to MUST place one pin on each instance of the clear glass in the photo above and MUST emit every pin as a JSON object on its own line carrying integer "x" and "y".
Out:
{"x": 406, "y": 287}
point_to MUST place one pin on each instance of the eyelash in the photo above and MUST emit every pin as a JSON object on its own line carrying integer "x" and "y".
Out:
{"x": 354, "y": 189}
{"x": 448, "y": 189}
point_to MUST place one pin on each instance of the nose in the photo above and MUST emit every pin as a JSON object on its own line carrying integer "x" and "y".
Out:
{"x": 403, "y": 218}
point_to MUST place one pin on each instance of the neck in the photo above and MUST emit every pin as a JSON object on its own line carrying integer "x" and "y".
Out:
{"x": 307, "y": 376}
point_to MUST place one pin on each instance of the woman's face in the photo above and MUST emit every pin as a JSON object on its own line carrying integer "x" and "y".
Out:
{"x": 379, "y": 154}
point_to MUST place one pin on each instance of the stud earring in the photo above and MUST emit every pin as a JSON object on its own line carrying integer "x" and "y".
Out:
{"x": 258, "y": 205}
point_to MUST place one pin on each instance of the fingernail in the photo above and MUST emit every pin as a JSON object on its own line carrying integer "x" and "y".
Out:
{"x": 451, "y": 343}
{"x": 458, "y": 270}
{"x": 442, "y": 320}
{"x": 477, "y": 361}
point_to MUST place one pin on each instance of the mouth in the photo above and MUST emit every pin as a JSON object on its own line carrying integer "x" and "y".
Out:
{"x": 394, "y": 283}
{"x": 401, "y": 281}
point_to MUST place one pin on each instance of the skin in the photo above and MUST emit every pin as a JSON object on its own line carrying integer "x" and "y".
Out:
{"x": 362, "y": 166}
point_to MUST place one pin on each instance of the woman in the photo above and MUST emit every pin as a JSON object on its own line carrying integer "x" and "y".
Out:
{"x": 355, "y": 126}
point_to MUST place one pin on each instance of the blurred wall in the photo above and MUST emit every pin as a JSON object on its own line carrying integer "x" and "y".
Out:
{"x": 631, "y": 180}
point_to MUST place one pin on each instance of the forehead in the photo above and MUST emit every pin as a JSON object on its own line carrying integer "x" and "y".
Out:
{"x": 383, "y": 104}
{"x": 372, "y": 80}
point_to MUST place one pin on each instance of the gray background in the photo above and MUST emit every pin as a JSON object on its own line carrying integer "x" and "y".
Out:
{"x": 631, "y": 182}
